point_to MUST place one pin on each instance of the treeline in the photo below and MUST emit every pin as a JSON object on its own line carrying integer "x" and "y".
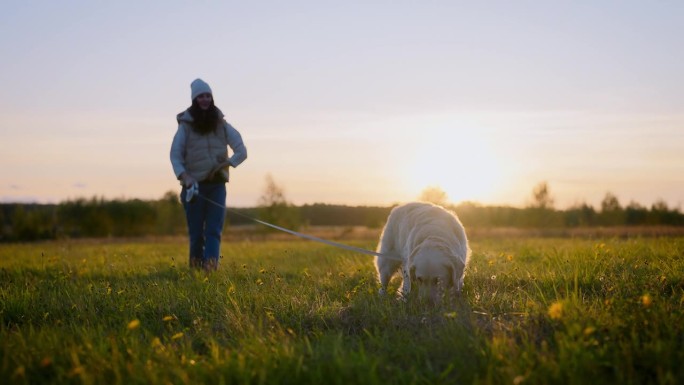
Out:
{"x": 98, "y": 217}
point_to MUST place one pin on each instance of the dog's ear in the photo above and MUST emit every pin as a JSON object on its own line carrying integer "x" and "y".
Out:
{"x": 411, "y": 257}
{"x": 452, "y": 275}
{"x": 457, "y": 269}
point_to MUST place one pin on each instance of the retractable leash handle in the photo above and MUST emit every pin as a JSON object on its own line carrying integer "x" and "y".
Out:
{"x": 192, "y": 192}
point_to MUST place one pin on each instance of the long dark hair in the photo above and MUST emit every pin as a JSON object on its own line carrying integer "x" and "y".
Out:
{"x": 204, "y": 121}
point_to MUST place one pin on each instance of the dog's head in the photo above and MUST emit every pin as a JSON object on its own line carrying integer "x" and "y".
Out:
{"x": 435, "y": 269}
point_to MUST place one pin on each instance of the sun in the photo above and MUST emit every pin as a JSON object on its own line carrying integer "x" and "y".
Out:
{"x": 463, "y": 163}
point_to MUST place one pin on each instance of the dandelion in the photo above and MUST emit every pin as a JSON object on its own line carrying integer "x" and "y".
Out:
{"x": 133, "y": 324}
{"x": 177, "y": 336}
{"x": 556, "y": 310}
{"x": 589, "y": 330}
{"x": 167, "y": 318}
{"x": 646, "y": 300}
{"x": 156, "y": 342}
{"x": 509, "y": 258}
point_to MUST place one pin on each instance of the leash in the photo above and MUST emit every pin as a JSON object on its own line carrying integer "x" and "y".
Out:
{"x": 191, "y": 194}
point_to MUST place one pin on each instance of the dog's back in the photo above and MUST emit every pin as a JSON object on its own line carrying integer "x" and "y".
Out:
{"x": 412, "y": 223}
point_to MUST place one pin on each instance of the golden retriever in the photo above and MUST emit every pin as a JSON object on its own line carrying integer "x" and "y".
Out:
{"x": 429, "y": 244}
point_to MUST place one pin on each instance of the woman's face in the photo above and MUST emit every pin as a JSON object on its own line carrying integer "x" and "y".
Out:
{"x": 204, "y": 101}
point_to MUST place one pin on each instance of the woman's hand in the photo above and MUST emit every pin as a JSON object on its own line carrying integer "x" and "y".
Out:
{"x": 187, "y": 179}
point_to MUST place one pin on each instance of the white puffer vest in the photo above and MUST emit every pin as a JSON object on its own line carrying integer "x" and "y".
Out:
{"x": 204, "y": 152}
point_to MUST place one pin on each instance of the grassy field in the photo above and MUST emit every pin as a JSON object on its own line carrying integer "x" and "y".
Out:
{"x": 533, "y": 311}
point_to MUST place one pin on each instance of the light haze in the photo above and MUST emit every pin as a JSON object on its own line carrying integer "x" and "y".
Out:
{"x": 361, "y": 103}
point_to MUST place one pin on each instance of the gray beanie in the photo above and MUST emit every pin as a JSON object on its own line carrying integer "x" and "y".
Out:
{"x": 198, "y": 87}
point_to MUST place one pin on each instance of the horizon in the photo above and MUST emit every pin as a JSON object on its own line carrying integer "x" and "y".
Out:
{"x": 447, "y": 203}
{"x": 353, "y": 104}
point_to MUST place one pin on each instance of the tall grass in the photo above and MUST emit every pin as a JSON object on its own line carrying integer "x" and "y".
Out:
{"x": 533, "y": 311}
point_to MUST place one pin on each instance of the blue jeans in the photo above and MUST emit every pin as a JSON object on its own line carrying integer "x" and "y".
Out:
{"x": 205, "y": 224}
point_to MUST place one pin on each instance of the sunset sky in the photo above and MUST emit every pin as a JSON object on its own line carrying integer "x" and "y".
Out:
{"x": 361, "y": 103}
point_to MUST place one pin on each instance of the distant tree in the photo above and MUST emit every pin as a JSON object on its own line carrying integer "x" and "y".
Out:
{"x": 661, "y": 214}
{"x": 85, "y": 218}
{"x": 581, "y": 214}
{"x": 610, "y": 203}
{"x": 541, "y": 197}
{"x": 660, "y": 205}
{"x": 31, "y": 222}
{"x": 635, "y": 214}
{"x": 434, "y": 194}
{"x": 170, "y": 219}
{"x": 540, "y": 212}
{"x": 612, "y": 213}
{"x": 275, "y": 209}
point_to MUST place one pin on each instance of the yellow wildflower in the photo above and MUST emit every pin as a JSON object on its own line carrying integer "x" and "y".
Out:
{"x": 133, "y": 324}
{"x": 646, "y": 300}
{"x": 556, "y": 310}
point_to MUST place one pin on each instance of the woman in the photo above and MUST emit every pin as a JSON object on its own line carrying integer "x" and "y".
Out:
{"x": 199, "y": 157}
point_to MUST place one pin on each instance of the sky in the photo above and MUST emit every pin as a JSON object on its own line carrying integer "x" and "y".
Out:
{"x": 359, "y": 103}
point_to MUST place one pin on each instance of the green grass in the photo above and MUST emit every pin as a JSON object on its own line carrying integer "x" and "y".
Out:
{"x": 533, "y": 311}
